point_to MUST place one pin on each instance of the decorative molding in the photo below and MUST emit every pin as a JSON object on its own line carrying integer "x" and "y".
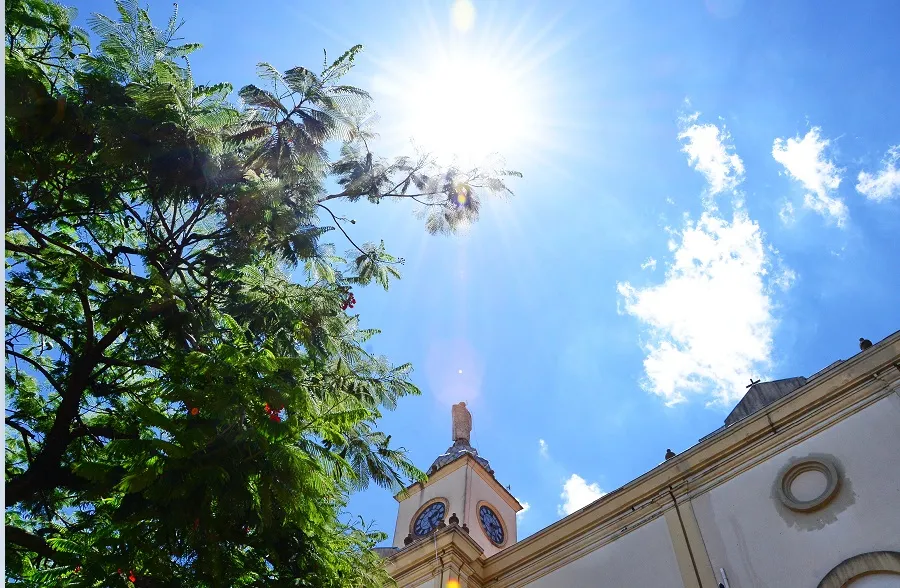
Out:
{"x": 794, "y": 469}
{"x": 424, "y": 560}
{"x": 852, "y": 568}
{"x": 503, "y": 524}
{"x": 448, "y": 469}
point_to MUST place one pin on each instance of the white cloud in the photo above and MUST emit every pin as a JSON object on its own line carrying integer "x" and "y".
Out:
{"x": 711, "y": 321}
{"x": 709, "y": 150}
{"x": 543, "y": 449}
{"x": 577, "y": 493}
{"x": 785, "y": 279}
{"x": 650, "y": 263}
{"x": 885, "y": 184}
{"x": 525, "y": 508}
{"x": 827, "y": 206}
{"x": 805, "y": 161}
{"x": 786, "y": 214}
{"x": 709, "y": 324}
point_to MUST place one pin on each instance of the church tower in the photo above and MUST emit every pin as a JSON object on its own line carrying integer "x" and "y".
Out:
{"x": 461, "y": 491}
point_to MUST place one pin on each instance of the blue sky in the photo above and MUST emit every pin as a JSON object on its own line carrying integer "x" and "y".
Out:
{"x": 709, "y": 194}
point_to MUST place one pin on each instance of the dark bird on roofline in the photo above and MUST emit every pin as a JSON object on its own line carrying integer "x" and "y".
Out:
{"x": 669, "y": 454}
{"x": 864, "y": 343}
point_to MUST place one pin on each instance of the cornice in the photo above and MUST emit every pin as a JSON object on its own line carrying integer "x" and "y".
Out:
{"x": 465, "y": 460}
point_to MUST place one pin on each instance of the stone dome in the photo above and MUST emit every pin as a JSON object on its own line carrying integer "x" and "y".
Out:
{"x": 459, "y": 448}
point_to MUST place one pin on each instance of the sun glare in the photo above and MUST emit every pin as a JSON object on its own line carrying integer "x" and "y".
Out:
{"x": 468, "y": 107}
{"x": 469, "y": 85}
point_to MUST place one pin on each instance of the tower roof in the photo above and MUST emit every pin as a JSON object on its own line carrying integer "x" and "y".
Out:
{"x": 459, "y": 448}
{"x": 762, "y": 394}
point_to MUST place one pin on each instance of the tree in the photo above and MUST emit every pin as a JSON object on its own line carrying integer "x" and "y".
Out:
{"x": 188, "y": 397}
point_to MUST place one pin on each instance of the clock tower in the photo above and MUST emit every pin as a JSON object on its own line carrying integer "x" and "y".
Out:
{"x": 462, "y": 492}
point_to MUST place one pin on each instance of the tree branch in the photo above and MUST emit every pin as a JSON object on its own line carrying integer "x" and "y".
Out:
{"x": 39, "y": 329}
{"x": 30, "y": 542}
{"x": 43, "y": 473}
{"x": 153, "y": 362}
{"x": 366, "y": 253}
{"x": 88, "y": 315}
{"x": 39, "y": 367}
{"x": 25, "y": 435}
{"x": 101, "y": 431}
{"x": 106, "y": 271}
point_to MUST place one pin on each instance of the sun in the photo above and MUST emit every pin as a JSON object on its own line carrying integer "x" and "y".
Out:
{"x": 467, "y": 90}
{"x": 469, "y": 106}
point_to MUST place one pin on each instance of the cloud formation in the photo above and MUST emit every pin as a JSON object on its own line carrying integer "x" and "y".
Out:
{"x": 577, "y": 493}
{"x": 885, "y": 183}
{"x": 542, "y": 448}
{"x": 649, "y": 264}
{"x": 709, "y": 324}
{"x": 805, "y": 160}
{"x": 525, "y": 508}
{"x": 786, "y": 213}
{"x": 710, "y": 152}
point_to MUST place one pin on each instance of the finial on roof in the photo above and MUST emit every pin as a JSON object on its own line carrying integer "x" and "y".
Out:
{"x": 669, "y": 454}
{"x": 752, "y": 383}
{"x": 462, "y": 422}
{"x": 864, "y": 343}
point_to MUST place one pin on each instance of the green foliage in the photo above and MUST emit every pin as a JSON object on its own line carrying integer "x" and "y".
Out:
{"x": 189, "y": 403}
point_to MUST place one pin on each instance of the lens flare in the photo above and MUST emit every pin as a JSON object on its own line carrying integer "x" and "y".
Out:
{"x": 462, "y": 13}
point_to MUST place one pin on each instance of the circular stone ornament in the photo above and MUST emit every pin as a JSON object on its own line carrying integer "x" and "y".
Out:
{"x": 793, "y": 484}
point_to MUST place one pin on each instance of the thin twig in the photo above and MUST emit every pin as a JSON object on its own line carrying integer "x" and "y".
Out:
{"x": 366, "y": 253}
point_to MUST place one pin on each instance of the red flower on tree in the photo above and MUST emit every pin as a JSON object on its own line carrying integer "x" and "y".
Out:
{"x": 195, "y": 411}
{"x": 274, "y": 415}
{"x": 349, "y": 302}
{"x": 131, "y": 576}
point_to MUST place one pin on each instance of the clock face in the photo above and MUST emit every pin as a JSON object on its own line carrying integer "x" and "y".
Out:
{"x": 429, "y": 519}
{"x": 491, "y": 525}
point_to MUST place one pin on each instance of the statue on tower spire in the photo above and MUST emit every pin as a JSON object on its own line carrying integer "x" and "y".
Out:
{"x": 462, "y": 423}
{"x": 462, "y": 431}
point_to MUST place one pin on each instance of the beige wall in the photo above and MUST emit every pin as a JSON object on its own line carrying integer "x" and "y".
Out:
{"x": 644, "y": 557}
{"x": 478, "y": 490}
{"x": 761, "y": 543}
{"x": 450, "y": 487}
